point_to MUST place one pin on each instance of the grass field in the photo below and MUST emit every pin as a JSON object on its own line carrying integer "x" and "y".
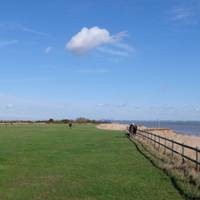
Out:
{"x": 53, "y": 162}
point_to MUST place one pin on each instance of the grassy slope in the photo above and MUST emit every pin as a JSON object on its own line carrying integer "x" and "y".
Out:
{"x": 57, "y": 163}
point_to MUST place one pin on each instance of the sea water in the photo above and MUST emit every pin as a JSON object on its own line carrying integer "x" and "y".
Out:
{"x": 183, "y": 127}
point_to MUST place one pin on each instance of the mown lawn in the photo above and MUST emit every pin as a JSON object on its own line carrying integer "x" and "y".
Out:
{"x": 54, "y": 162}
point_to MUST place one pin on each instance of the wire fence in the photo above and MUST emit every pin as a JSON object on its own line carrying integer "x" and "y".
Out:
{"x": 185, "y": 152}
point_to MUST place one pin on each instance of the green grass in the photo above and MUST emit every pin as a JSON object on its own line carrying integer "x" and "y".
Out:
{"x": 53, "y": 162}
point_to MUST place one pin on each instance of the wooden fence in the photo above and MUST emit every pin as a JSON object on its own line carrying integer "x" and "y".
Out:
{"x": 172, "y": 146}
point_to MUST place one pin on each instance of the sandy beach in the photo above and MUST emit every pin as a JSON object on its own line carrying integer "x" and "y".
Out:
{"x": 182, "y": 138}
{"x": 186, "y": 139}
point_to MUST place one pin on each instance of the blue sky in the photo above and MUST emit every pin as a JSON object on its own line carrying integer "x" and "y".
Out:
{"x": 124, "y": 59}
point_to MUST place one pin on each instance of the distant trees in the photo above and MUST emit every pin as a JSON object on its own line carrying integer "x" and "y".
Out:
{"x": 85, "y": 120}
{"x": 66, "y": 121}
{"x": 78, "y": 120}
{"x": 82, "y": 120}
{"x": 51, "y": 120}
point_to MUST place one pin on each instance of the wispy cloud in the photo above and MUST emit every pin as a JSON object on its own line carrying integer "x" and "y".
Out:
{"x": 125, "y": 47}
{"x": 185, "y": 12}
{"x": 48, "y": 49}
{"x": 182, "y": 13}
{"x": 33, "y": 31}
{"x": 117, "y": 49}
{"x": 21, "y": 28}
{"x": 8, "y": 43}
{"x": 113, "y": 52}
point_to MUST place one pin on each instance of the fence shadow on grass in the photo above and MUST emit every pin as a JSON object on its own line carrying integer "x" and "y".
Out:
{"x": 152, "y": 159}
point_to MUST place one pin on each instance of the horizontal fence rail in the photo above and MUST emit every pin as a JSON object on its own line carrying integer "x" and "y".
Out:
{"x": 162, "y": 141}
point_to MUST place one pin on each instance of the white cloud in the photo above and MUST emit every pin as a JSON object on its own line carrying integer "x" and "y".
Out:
{"x": 8, "y": 42}
{"x": 90, "y": 38}
{"x": 48, "y": 49}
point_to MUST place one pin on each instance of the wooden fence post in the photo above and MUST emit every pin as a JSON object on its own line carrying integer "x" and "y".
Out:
{"x": 197, "y": 158}
{"x": 165, "y": 146}
{"x": 183, "y": 153}
{"x": 165, "y": 142}
{"x": 172, "y": 148}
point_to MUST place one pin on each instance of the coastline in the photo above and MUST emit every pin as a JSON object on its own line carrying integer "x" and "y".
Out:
{"x": 191, "y": 140}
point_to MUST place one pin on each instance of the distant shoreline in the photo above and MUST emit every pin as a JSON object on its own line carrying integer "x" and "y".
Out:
{"x": 180, "y": 127}
{"x": 190, "y": 140}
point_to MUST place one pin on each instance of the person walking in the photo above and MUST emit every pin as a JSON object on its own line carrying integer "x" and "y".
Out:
{"x": 131, "y": 130}
{"x": 135, "y": 129}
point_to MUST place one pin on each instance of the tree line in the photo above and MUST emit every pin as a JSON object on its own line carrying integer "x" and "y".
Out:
{"x": 56, "y": 121}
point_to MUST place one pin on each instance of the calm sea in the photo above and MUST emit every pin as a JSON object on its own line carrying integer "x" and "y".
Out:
{"x": 183, "y": 127}
{"x": 192, "y": 128}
